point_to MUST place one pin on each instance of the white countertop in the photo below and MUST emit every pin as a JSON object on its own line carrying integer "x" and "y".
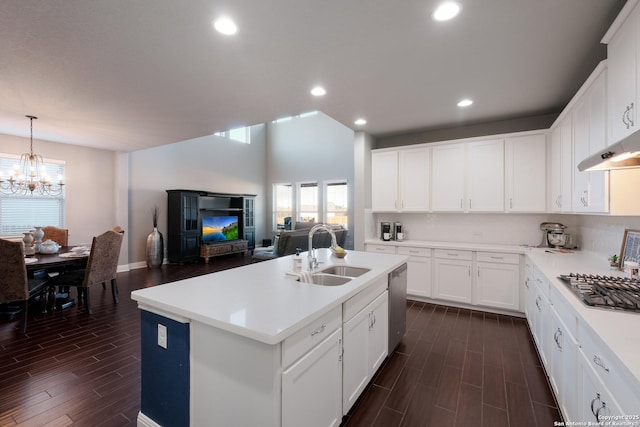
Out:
{"x": 260, "y": 301}
{"x": 619, "y": 330}
{"x": 452, "y": 245}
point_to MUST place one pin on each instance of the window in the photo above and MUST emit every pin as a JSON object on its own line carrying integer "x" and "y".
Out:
{"x": 20, "y": 213}
{"x": 242, "y": 134}
{"x": 336, "y": 203}
{"x": 308, "y": 202}
{"x": 282, "y": 202}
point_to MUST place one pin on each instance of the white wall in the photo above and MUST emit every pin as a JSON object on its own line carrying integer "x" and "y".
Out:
{"x": 314, "y": 148}
{"x": 209, "y": 163}
{"x": 92, "y": 205}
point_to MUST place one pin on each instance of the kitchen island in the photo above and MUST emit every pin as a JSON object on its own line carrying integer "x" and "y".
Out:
{"x": 232, "y": 348}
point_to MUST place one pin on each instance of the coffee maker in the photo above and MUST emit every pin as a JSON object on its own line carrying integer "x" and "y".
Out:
{"x": 385, "y": 231}
{"x": 397, "y": 231}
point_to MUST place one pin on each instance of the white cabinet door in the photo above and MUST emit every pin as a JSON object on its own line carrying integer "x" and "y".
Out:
{"x": 497, "y": 285}
{"x": 525, "y": 174}
{"x": 452, "y": 280}
{"x": 448, "y": 178}
{"x": 561, "y": 165}
{"x": 414, "y": 180}
{"x": 384, "y": 181}
{"x": 622, "y": 56}
{"x": 419, "y": 276}
{"x": 563, "y": 372}
{"x": 594, "y": 399}
{"x": 485, "y": 176}
{"x": 312, "y": 387}
{"x": 590, "y": 188}
{"x": 541, "y": 323}
{"x": 365, "y": 348}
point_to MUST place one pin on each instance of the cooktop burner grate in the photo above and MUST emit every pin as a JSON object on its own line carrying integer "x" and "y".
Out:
{"x": 613, "y": 292}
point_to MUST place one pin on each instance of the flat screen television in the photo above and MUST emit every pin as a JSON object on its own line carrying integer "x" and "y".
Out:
{"x": 219, "y": 228}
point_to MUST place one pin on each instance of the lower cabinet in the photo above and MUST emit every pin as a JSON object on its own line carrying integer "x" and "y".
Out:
{"x": 497, "y": 280}
{"x": 312, "y": 387}
{"x": 596, "y": 403}
{"x": 419, "y": 270}
{"x": 365, "y": 348}
{"x": 563, "y": 355}
{"x": 452, "y": 278}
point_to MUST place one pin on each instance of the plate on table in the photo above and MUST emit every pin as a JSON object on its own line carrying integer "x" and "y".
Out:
{"x": 30, "y": 260}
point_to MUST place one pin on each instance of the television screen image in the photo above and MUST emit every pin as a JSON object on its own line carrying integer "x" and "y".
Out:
{"x": 219, "y": 228}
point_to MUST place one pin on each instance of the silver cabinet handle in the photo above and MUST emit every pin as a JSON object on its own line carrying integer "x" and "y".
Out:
{"x": 510, "y": 203}
{"x": 624, "y": 117}
{"x": 538, "y": 303}
{"x": 497, "y": 257}
{"x": 600, "y": 362}
{"x": 629, "y": 118}
{"x": 340, "y": 350}
{"x": 469, "y": 203}
{"x": 597, "y": 398}
{"x": 597, "y": 413}
{"x": 319, "y": 330}
{"x": 461, "y": 203}
{"x": 414, "y": 252}
{"x": 452, "y": 254}
{"x": 556, "y": 338}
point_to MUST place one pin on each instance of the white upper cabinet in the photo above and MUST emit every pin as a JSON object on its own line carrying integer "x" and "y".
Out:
{"x": 400, "y": 180}
{"x": 561, "y": 164}
{"x": 525, "y": 173}
{"x": 384, "y": 181}
{"x": 622, "y": 57}
{"x": 448, "y": 179}
{"x": 590, "y": 189}
{"x": 468, "y": 177}
{"x": 485, "y": 176}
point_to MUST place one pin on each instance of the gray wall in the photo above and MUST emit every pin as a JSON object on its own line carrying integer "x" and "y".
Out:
{"x": 469, "y": 131}
{"x": 209, "y": 163}
{"x": 314, "y": 148}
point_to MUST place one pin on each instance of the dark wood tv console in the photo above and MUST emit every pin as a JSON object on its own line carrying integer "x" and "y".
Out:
{"x": 223, "y": 248}
{"x": 186, "y": 208}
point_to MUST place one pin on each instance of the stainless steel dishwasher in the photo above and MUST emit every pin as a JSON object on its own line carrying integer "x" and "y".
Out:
{"x": 397, "y": 306}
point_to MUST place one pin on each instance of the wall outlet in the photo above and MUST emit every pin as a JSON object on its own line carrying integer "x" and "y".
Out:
{"x": 162, "y": 335}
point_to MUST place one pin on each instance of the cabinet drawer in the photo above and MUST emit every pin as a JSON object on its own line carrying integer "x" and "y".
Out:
{"x": 624, "y": 388}
{"x": 453, "y": 254}
{"x": 565, "y": 312}
{"x": 311, "y": 335}
{"x": 498, "y": 257}
{"x": 359, "y": 301}
{"x": 385, "y": 249}
{"x": 412, "y": 251}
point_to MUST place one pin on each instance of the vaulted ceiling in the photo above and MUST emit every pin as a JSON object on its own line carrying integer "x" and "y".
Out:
{"x": 131, "y": 74}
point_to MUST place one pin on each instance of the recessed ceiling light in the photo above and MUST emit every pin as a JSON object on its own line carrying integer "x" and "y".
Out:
{"x": 225, "y": 26}
{"x": 318, "y": 91}
{"x": 465, "y": 103}
{"x": 360, "y": 122}
{"x": 446, "y": 11}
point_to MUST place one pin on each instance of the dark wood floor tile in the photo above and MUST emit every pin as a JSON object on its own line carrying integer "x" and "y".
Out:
{"x": 493, "y": 390}
{"x": 494, "y": 417}
{"x": 476, "y": 338}
{"x": 367, "y": 408}
{"x": 432, "y": 369}
{"x": 493, "y": 355}
{"x": 441, "y": 417}
{"x": 538, "y": 385}
{"x": 513, "y": 370}
{"x": 519, "y": 406}
{"x": 472, "y": 370}
{"x": 461, "y": 329}
{"x": 388, "y": 376}
{"x": 388, "y": 418}
{"x": 420, "y": 407}
{"x": 419, "y": 356}
{"x": 449, "y": 388}
{"x": 456, "y": 353}
{"x": 546, "y": 415}
{"x": 470, "y": 406}
{"x": 402, "y": 391}
{"x": 409, "y": 342}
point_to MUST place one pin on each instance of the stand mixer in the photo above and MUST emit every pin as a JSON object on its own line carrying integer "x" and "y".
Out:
{"x": 553, "y": 235}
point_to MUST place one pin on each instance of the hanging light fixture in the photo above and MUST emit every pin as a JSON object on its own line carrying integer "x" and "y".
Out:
{"x": 30, "y": 176}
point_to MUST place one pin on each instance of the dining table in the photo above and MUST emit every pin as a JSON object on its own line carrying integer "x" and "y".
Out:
{"x": 47, "y": 265}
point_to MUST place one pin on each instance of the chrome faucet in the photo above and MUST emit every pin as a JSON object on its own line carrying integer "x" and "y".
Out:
{"x": 311, "y": 255}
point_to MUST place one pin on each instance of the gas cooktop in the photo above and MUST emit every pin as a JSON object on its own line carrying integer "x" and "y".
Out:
{"x": 612, "y": 292}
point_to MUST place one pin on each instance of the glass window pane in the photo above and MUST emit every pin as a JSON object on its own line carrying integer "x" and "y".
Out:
{"x": 283, "y": 196}
{"x": 308, "y": 202}
{"x": 337, "y": 196}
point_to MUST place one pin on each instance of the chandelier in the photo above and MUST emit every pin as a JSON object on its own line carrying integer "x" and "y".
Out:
{"x": 30, "y": 176}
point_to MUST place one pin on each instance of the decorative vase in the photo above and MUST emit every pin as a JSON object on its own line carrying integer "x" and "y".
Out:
{"x": 38, "y": 235}
{"x": 27, "y": 240}
{"x": 155, "y": 249}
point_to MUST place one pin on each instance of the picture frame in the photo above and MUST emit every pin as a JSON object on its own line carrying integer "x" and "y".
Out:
{"x": 630, "y": 250}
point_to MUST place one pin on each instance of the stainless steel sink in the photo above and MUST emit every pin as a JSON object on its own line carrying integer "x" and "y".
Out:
{"x": 328, "y": 280}
{"x": 345, "y": 270}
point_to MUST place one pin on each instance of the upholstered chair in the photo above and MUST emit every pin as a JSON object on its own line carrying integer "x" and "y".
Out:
{"x": 14, "y": 284}
{"x": 58, "y": 235}
{"x": 102, "y": 267}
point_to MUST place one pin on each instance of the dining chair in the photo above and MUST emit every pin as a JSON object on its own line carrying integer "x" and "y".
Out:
{"x": 58, "y": 235}
{"x": 101, "y": 267}
{"x": 15, "y": 286}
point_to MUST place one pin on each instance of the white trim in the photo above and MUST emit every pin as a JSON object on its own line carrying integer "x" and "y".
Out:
{"x": 144, "y": 421}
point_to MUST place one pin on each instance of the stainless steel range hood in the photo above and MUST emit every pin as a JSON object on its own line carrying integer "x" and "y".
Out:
{"x": 621, "y": 155}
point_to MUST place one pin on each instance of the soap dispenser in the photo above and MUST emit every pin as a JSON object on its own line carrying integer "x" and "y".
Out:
{"x": 297, "y": 261}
